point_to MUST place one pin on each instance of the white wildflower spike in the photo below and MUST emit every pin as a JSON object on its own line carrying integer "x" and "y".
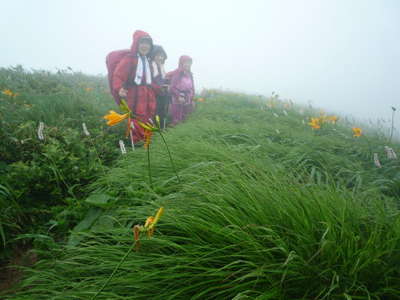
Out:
{"x": 132, "y": 143}
{"x": 394, "y": 155}
{"x": 390, "y": 153}
{"x": 277, "y": 131}
{"x": 376, "y": 161}
{"x": 276, "y": 115}
{"x": 131, "y": 135}
{"x": 40, "y": 131}
{"x": 122, "y": 146}
{"x": 85, "y": 131}
{"x": 304, "y": 122}
{"x": 151, "y": 121}
{"x": 285, "y": 112}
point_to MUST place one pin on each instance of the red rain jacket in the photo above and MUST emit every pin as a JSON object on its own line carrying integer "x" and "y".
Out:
{"x": 141, "y": 99}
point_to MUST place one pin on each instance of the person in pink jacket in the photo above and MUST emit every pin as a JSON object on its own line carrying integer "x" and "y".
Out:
{"x": 182, "y": 90}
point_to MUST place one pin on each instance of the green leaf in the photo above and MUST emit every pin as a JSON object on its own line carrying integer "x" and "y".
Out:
{"x": 103, "y": 223}
{"x": 99, "y": 200}
{"x": 75, "y": 238}
{"x": 123, "y": 106}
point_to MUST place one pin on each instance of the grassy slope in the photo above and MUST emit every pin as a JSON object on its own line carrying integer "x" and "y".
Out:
{"x": 259, "y": 215}
{"x": 42, "y": 181}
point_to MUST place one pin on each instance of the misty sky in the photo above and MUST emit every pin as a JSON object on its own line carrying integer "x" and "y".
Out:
{"x": 342, "y": 55}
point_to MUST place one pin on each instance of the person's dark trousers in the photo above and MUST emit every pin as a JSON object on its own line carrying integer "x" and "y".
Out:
{"x": 162, "y": 108}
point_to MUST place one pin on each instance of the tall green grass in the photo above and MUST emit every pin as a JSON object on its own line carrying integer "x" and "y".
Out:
{"x": 259, "y": 214}
{"x": 42, "y": 181}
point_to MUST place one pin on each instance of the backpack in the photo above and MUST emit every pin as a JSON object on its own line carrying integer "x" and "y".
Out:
{"x": 112, "y": 60}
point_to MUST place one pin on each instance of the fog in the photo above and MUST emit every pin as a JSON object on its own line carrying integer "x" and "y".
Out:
{"x": 342, "y": 55}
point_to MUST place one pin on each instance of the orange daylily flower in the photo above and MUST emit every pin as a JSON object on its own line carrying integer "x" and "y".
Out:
{"x": 147, "y": 138}
{"x": 148, "y": 227}
{"x": 136, "y": 236}
{"x": 149, "y": 221}
{"x": 315, "y": 123}
{"x": 152, "y": 221}
{"x": 88, "y": 89}
{"x": 200, "y": 99}
{"x": 357, "y": 132}
{"x": 114, "y": 118}
{"x": 9, "y": 93}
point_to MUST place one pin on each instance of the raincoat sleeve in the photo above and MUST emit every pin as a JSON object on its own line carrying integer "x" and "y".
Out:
{"x": 174, "y": 85}
{"x": 121, "y": 74}
{"x": 192, "y": 91}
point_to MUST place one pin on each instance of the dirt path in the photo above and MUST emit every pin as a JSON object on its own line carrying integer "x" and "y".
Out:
{"x": 10, "y": 275}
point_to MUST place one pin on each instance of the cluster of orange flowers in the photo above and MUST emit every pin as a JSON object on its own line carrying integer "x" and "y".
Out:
{"x": 148, "y": 227}
{"x": 114, "y": 118}
{"x": 9, "y": 93}
{"x": 316, "y": 123}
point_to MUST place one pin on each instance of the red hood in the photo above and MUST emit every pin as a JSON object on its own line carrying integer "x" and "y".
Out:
{"x": 139, "y": 34}
{"x": 183, "y": 59}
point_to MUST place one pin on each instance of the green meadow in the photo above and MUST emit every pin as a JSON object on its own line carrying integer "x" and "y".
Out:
{"x": 265, "y": 206}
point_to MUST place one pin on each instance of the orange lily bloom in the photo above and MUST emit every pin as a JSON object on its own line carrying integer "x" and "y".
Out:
{"x": 136, "y": 235}
{"x": 149, "y": 221}
{"x": 315, "y": 123}
{"x": 147, "y": 138}
{"x": 152, "y": 221}
{"x": 8, "y": 92}
{"x": 114, "y": 118}
{"x": 357, "y": 132}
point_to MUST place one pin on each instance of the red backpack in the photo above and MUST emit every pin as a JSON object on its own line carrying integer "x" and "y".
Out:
{"x": 112, "y": 60}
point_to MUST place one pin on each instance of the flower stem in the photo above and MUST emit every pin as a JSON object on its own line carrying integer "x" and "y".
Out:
{"x": 114, "y": 271}
{"x": 148, "y": 165}
{"x": 170, "y": 157}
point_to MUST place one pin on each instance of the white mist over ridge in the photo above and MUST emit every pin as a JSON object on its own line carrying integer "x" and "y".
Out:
{"x": 342, "y": 55}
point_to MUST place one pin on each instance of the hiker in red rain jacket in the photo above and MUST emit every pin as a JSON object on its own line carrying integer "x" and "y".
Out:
{"x": 132, "y": 79}
{"x": 182, "y": 90}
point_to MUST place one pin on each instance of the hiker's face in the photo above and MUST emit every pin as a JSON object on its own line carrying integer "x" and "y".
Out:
{"x": 144, "y": 47}
{"x": 159, "y": 59}
{"x": 187, "y": 65}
